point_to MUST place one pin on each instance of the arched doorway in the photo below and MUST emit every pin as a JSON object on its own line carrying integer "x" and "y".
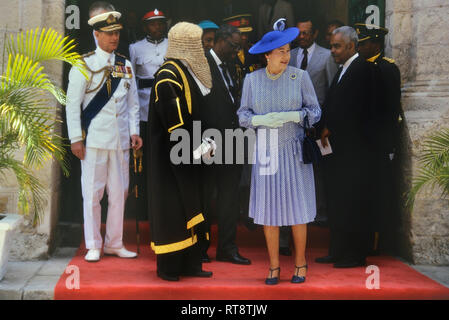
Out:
{"x": 323, "y": 11}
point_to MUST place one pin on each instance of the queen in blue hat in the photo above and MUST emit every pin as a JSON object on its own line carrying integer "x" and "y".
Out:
{"x": 275, "y": 102}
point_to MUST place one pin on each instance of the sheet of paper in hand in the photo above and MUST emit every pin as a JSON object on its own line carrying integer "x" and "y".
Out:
{"x": 325, "y": 150}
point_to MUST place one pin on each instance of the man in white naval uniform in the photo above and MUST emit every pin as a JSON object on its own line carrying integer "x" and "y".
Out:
{"x": 102, "y": 120}
{"x": 147, "y": 56}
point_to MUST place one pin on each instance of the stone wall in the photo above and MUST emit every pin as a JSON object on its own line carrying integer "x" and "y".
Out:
{"x": 420, "y": 49}
{"x": 16, "y": 16}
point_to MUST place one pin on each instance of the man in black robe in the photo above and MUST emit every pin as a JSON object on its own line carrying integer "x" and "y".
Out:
{"x": 174, "y": 187}
{"x": 349, "y": 124}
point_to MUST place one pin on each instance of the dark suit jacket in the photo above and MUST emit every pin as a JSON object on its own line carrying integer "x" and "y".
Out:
{"x": 220, "y": 112}
{"x": 349, "y": 114}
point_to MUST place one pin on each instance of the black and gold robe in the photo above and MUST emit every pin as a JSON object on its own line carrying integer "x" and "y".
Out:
{"x": 174, "y": 189}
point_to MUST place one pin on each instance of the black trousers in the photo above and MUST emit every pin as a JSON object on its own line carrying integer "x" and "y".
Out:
{"x": 348, "y": 244}
{"x": 220, "y": 185}
{"x": 177, "y": 263}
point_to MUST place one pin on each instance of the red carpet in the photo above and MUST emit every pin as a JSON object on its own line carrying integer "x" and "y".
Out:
{"x": 113, "y": 278}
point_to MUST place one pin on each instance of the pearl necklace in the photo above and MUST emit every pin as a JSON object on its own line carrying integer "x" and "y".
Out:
{"x": 273, "y": 77}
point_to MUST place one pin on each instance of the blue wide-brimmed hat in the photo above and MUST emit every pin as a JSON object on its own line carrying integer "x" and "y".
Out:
{"x": 275, "y": 39}
{"x": 207, "y": 24}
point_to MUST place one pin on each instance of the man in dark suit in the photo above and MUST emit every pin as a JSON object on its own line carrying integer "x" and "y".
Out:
{"x": 387, "y": 80}
{"x": 349, "y": 124}
{"x": 220, "y": 113}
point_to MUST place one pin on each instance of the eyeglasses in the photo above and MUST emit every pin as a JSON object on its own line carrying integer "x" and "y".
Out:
{"x": 234, "y": 46}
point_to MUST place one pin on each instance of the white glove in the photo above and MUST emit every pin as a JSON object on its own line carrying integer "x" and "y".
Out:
{"x": 207, "y": 148}
{"x": 271, "y": 120}
{"x": 290, "y": 116}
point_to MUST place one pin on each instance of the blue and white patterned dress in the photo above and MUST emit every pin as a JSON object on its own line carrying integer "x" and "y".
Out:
{"x": 284, "y": 196}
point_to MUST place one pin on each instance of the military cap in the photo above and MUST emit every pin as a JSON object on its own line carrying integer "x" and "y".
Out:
{"x": 241, "y": 22}
{"x": 155, "y": 14}
{"x": 108, "y": 21}
{"x": 370, "y": 31}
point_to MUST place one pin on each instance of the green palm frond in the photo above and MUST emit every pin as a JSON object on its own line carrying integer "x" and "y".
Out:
{"x": 28, "y": 115}
{"x": 436, "y": 150}
{"x": 434, "y": 166}
{"x": 42, "y": 45}
{"x": 22, "y": 73}
{"x": 31, "y": 197}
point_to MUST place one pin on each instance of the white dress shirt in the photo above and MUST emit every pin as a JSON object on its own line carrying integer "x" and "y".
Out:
{"x": 146, "y": 59}
{"x": 310, "y": 51}
{"x": 347, "y": 64}
{"x": 117, "y": 121}
{"x": 219, "y": 62}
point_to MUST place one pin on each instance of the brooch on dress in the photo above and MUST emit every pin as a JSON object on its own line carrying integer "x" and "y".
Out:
{"x": 293, "y": 76}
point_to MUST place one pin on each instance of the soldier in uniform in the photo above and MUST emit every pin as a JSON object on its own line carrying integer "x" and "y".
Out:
{"x": 244, "y": 62}
{"x": 102, "y": 120}
{"x": 147, "y": 56}
{"x": 387, "y": 80}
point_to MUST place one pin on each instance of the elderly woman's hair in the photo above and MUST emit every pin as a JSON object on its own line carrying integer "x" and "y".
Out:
{"x": 99, "y": 7}
{"x": 225, "y": 31}
{"x": 349, "y": 34}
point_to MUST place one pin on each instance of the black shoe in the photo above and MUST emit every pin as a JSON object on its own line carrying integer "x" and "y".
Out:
{"x": 326, "y": 259}
{"x": 205, "y": 258}
{"x": 198, "y": 274}
{"x": 350, "y": 263}
{"x": 235, "y": 258}
{"x": 167, "y": 277}
{"x": 285, "y": 251}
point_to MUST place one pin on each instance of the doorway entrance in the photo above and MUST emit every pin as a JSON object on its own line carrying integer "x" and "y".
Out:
{"x": 323, "y": 11}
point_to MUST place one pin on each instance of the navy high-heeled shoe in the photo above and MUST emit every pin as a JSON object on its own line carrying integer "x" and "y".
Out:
{"x": 296, "y": 278}
{"x": 271, "y": 280}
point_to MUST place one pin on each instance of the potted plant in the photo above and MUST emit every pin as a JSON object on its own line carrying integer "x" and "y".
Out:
{"x": 434, "y": 165}
{"x": 27, "y": 120}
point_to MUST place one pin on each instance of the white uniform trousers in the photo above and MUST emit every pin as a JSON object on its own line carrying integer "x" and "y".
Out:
{"x": 104, "y": 168}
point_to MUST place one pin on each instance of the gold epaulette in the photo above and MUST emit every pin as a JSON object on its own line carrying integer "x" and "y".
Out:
{"x": 88, "y": 54}
{"x": 389, "y": 60}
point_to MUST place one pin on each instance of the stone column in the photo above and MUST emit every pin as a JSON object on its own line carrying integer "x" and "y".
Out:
{"x": 15, "y": 17}
{"x": 419, "y": 45}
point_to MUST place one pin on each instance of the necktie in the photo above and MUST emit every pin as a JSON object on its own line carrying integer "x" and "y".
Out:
{"x": 337, "y": 76}
{"x": 224, "y": 67}
{"x": 304, "y": 60}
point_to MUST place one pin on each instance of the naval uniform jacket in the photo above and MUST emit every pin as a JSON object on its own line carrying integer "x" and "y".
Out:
{"x": 390, "y": 116}
{"x": 173, "y": 189}
{"x": 387, "y": 79}
{"x": 118, "y": 119}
